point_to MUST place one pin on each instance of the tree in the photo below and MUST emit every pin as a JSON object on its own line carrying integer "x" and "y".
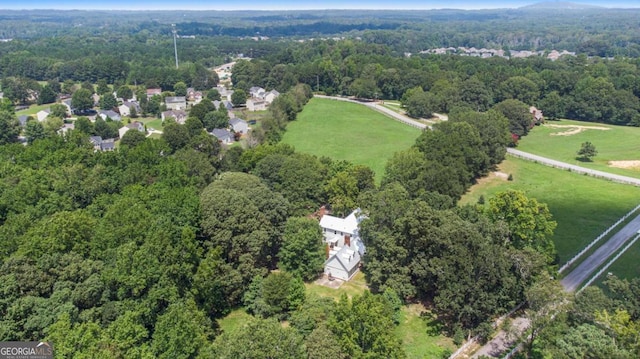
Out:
{"x": 132, "y": 138}
{"x": 82, "y": 100}
{"x": 102, "y": 87}
{"x": 58, "y": 110}
{"x": 213, "y": 95}
{"x": 302, "y": 252}
{"x": 176, "y": 135}
{"x": 108, "y": 102}
{"x": 530, "y": 223}
{"x": 181, "y": 332}
{"x": 34, "y": 131}
{"x": 47, "y": 95}
{"x": 84, "y": 125}
{"x": 125, "y": 92}
{"x": 9, "y": 128}
{"x": 276, "y": 295}
{"x": 238, "y": 98}
{"x": 517, "y": 112}
{"x": 180, "y": 89}
{"x": 260, "y": 339}
{"x": 587, "y": 152}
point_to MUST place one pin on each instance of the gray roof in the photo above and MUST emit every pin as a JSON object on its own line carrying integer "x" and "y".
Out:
{"x": 96, "y": 140}
{"x": 235, "y": 121}
{"x": 221, "y": 134}
{"x": 175, "y": 99}
{"x": 111, "y": 114}
{"x": 108, "y": 144}
{"x": 23, "y": 120}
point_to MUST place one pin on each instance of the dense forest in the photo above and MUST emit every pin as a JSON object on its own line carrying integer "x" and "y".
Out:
{"x": 137, "y": 253}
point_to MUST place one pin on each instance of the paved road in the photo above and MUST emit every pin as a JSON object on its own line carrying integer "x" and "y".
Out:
{"x": 574, "y": 168}
{"x": 588, "y": 267}
{"x": 503, "y": 340}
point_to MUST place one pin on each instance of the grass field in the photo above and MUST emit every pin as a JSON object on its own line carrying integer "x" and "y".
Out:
{"x": 347, "y": 131}
{"x": 152, "y": 122}
{"x": 583, "y": 206}
{"x": 617, "y": 143}
{"x": 33, "y": 109}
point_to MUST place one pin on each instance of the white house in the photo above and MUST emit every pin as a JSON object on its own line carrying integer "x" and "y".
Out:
{"x": 256, "y": 105}
{"x": 344, "y": 244}
{"x": 114, "y": 116}
{"x": 257, "y": 92}
{"x": 132, "y": 126}
{"x": 270, "y": 96}
{"x": 239, "y": 125}
{"x": 43, "y": 114}
{"x": 125, "y": 108}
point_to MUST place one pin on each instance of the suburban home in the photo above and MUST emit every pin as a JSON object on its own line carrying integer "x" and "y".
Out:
{"x": 270, "y": 96}
{"x": 104, "y": 114}
{"x": 227, "y": 104}
{"x": 193, "y": 95}
{"x": 66, "y": 128}
{"x": 43, "y": 114}
{"x": 224, "y": 93}
{"x": 176, "y": 103}
{"x": 256, "y": 105}
{"x": 96, "y": 99}
{"x": 125, "y": 108}
{"x": 223, "y": 135}
{"x": 239, "y": 125}
{"x": 22, "y": 119}
{"x": 537, "y": 115}
{"x": 153, "y": 92}
{"x": 132, "y": 126}
{"x": 102, "y": 145}
{"x": 178, "y": 115}
{"x": 343, "y": 243}
{"x": 67, "y": 104}
{"x": 257, "y": 92}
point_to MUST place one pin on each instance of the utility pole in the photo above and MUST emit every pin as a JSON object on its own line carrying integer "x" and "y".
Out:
{"x": 175, "y": 44}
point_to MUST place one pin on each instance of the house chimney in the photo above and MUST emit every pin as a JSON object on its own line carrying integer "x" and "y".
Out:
{"x": 347, "y": 240}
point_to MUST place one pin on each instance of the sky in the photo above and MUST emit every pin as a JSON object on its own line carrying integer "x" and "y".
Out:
{"x": 284, "y": 4}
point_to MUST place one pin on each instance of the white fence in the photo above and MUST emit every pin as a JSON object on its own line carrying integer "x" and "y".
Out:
{"x": 609, "y": 264}
{"x": 602, "y": 235}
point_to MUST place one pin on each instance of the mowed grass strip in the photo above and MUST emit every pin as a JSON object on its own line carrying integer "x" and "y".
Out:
{"x": 348, "y": 131}
{"x": 583, "y": 206}
{"x": 616, "y": 143}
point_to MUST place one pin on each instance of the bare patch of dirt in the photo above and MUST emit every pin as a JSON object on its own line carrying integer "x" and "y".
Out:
{"x": 493, "y": 176}
{"x": 632, "y": 165}
{"x": 574, "y": 129}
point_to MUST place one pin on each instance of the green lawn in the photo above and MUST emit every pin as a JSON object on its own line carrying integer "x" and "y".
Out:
{"x": 618, "y": 143}
{"x": 152, "y": 122}
{"x": 356, "y": 286}
{"x": 583, "y": 206}
{"x": 627, "y": 265}
{"x": 234, "y": 320}
{"x": 348, "y": 131}
{"x": 33, "y": 109}
{"x": 421, "y": 337}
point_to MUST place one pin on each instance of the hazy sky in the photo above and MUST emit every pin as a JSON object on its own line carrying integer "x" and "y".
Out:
{"x": 283, "y": 4}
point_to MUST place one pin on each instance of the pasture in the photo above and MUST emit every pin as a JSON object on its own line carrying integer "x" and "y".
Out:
{"x": 348, "y": 131}
{"x": 583, "y": 206}
{"x": 618, "y": 146}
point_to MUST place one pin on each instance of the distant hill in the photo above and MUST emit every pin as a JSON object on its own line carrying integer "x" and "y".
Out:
{"x": 559, "y": 5}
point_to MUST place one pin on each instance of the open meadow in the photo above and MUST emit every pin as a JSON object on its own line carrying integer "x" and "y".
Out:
{"x": 618, "y": 146}
{"x": 583, "y": 206}
{"x": 348, "y": 131}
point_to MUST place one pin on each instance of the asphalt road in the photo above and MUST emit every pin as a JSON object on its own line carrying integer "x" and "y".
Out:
{"x": 588, "y": 267}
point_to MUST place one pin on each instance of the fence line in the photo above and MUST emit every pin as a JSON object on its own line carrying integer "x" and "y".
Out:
{"x": 609, "y": 263}
{"x": 602, "y": 235}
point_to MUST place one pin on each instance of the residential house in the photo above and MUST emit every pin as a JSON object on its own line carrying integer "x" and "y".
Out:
{"x": 223, "y": 135}
{"x": 66, "y": 128}
{"x": 96, "y": 99}
{"x": 193, "y": 95}
{"x": 257, "y": 92}
{"x": 344, "y": 246}
{"x": 178, "y": 115}
{"x": 239, "y": 125}
{"x": 104, "y": 114}
{"x": 43, "y": 114}
{"x": 224, "y": 93}
{"x": 270, "y": 96}
{"x": 538, "y": 118}
{"x": 256, "y": 105}
{"x": 125, "y": 108}
{"x": 176, "y": 103}
{"x": 22, "y": 119}
{"x": 135, "y": 125}
{"x": 102, "y": 145}
{"x": 227, "y": 104}
{"x": 153, "y": 92}
{"x": 67, "y": 104}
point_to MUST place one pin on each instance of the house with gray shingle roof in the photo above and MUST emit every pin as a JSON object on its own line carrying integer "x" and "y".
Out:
{"x": 223, "y": 135}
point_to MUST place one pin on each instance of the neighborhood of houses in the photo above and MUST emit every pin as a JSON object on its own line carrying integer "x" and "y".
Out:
{"x": 486, "y": 53}
{"x": 177, "y": 108}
